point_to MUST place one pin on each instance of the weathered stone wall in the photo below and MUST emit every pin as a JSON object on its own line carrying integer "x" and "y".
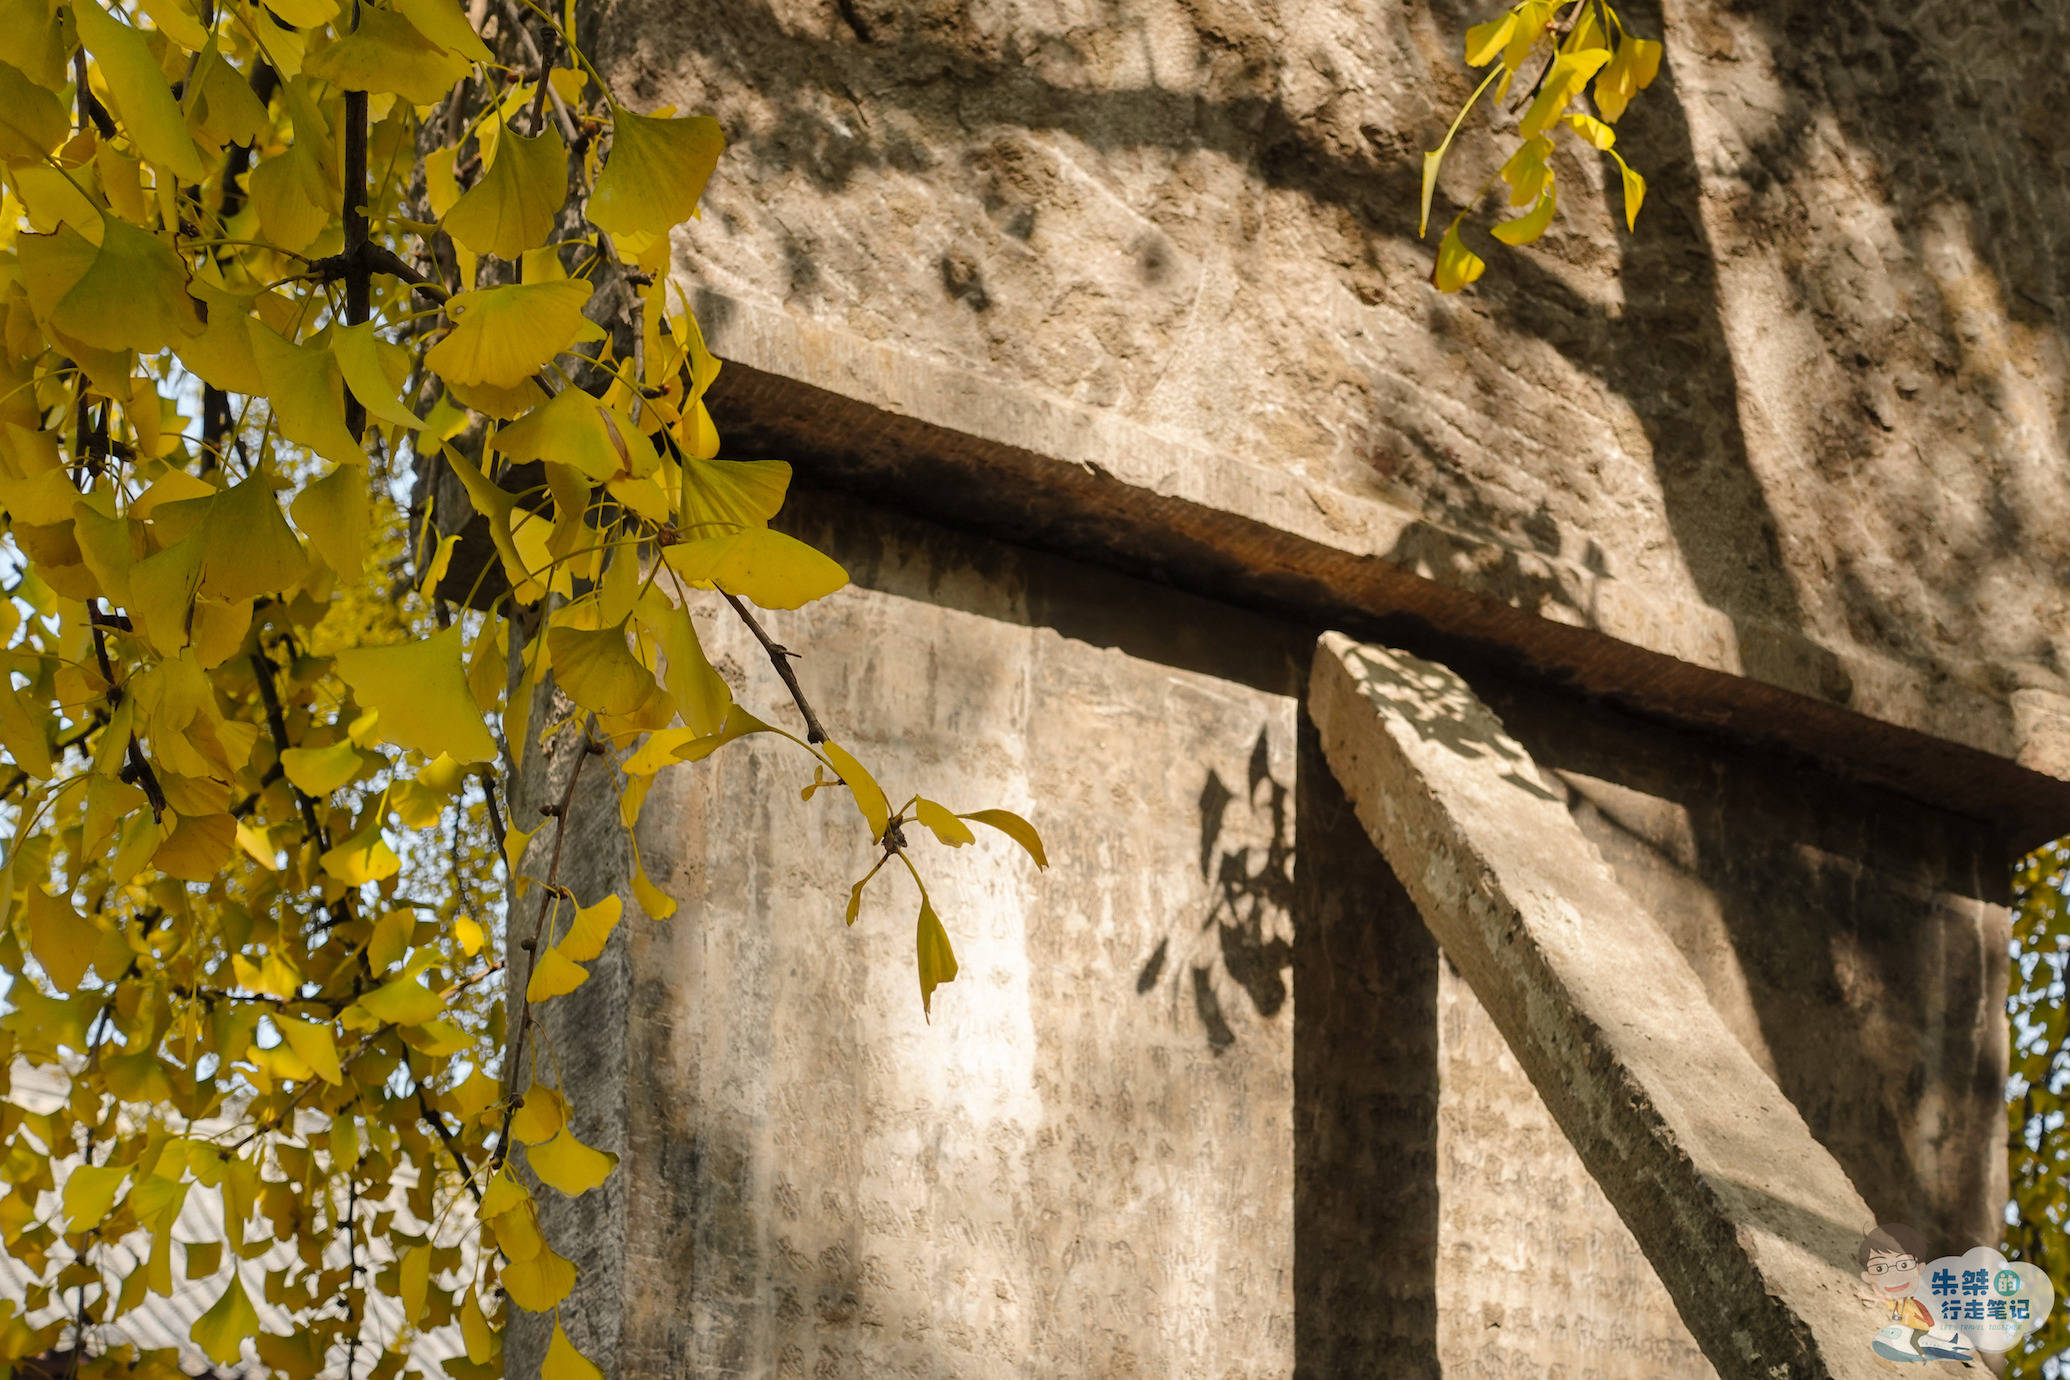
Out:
{"x": 1139, "y": 284}
{"x": 1803, "y": 426}
{"x": 1205, "y": 1100}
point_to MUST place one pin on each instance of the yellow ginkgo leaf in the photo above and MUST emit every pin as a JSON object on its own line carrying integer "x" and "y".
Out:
{"x": 1591, "y": 129}
{"x": 172, "y": 19}
{"x": 1632, "y": 70}
{"x": 62, "y": 940}
{"x": 943, "y": 823}
{"x": 420, "y": 691}
{"x": 313, "y": 1044}
{"x": 572, "y": 428}
{"x": 1563, "y": 82}
{"x": 360, "y": 356}
{"x": 90, "y": 1192}
{"x": 539, "y": 1283}
{"x": 404, "y": 1001}
{"x": 306, "y": 394}
{"x": 1015, "y": 828}
{"x": 1529, "y": 226}
{"x": 514, "y": 206}
{"x": 655, "y": 172}
{"x": 22, "y": 734}
{"x": 475, "y": 1331}
{"x": 138, "y": 90}
{"x": 51, "y": 264}
{"x": 501, "y": 336}
{"x": 567, "y": 1164}
{"x": 227, "y": 110}
{"x": 758, "y": 564}
{"x": 731, "y": 493}
{"x": 413, "y": 1281}
{"x": 504, "y": 404}
{"x": 362, "y": 858}
{"x": 291, "y": 197}
{"x": 32, "y": 119}
{"x": 247, "y": 547}
{"x": 495, "y": 505}
{"x": 553, "y": 975}
{"x": 1456, "y": 264}
{"x": 335, "y": 513}
{"x": 541, "y": 1117}
{"x": 503, "y": 1194}
{"x": 1634, "y": 191}
{"x": 564, "y": 1362}
{"x": 597, "y": 669}
{"x": 443, "y": 23}
{"x": 869, "y": 796}
{"x": 387, "y": 53}
{"x": 157, "y": 1200}
{"x": 699, "y": 691}
{"x": 221, "y": 355}
{"x": 1485, "y": 41}
{"x": 590, "y": 929}
{"x": 937, "y": 959}
{"x": 198, "y": 848}
{"x": 221, "y": 1331}
{"x": 134, "y": 294}
{"x": 658, "y": 904}
{"x": 1526, "y": 170}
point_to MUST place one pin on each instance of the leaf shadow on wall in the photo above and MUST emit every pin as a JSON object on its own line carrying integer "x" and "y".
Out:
{"x": 1248, "y": 862}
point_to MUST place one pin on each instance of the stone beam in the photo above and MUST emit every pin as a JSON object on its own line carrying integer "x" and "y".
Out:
{"x": 955, "y": 446}
{"x": 1749, "y": 1221}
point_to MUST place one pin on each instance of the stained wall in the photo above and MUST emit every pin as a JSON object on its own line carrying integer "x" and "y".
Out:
{"x": 1204, "y": 1098}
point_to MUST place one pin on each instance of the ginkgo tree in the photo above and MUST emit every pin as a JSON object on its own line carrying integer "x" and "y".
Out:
{"x": 347, "y": 413}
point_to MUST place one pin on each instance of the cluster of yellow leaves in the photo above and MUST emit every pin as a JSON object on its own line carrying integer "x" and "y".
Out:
{"x": 1573, "y": 48}
{"x": 254, "y": 762}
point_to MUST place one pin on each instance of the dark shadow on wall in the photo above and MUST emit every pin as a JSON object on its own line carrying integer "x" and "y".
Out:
{"x": 1365, "y": 1098}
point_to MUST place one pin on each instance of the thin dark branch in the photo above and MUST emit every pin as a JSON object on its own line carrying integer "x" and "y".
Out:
{"x": 488, "y": 785}
{"x": 358, "y": 275}
{"x": 517, "y": 22}
{"x": 550, "y": 890}
{"x": 780, "y": 657}
{"x": 262, "y": 669}
{"x": 437, "y": 1123}
{"x": 137, "y": 770}
{"x": 90, "y": 108}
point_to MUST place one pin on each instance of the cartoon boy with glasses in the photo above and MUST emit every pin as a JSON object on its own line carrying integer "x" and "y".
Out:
{"x": 1890, "y": 1257}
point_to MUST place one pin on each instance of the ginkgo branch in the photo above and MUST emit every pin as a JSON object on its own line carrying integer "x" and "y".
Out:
{"x": 780, "y": 657}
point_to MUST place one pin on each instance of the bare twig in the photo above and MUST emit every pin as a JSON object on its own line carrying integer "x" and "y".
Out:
{"x": 780, "y": 657}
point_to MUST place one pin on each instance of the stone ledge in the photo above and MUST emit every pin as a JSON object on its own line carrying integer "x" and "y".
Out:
{"x": 957, "y": 446}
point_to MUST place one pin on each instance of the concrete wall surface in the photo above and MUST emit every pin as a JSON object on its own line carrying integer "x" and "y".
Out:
{"x": 1803, "y": 427}
{"x": 1205, "y": 1099}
